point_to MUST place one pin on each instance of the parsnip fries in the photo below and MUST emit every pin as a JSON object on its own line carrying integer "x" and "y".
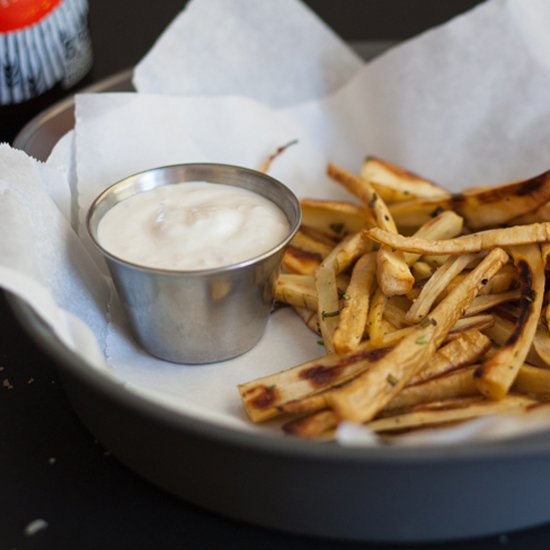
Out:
{"x": 444, "y": 323}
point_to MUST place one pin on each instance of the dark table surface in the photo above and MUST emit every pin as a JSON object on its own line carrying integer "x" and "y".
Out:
{"x": 51, "y": 467}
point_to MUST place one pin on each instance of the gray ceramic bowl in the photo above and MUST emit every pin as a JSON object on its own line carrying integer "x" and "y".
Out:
{"x": 382, "y": 494}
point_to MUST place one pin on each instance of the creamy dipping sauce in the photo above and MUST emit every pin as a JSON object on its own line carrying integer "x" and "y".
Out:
{"x": 192, "y": 226}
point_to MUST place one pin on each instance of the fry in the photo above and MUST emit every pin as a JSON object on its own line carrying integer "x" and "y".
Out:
{"x": 340, "y": 258}
{"x": 545, "y": 253}
{"x": 328, "y": 308}
{"x": 533, "y": 380}
{"x": 484, "y": 240}
{"x": 393, "y": 274}
{"x": 444, "y": 226}
{"x": 443, "y": 412}
{"x": 456, "y": 383}
{"x": 335, "y": 218}
{"x": 296, "y": 290}
{"x": 313, "y": 425}
{"x": 465, "y": 350}
{"x": 422, "y": 271}
{"x": 300, "y": 261}
{"x": 499, "y": 333}
{"x": 496, "y": 375}
{"x": 395, "y": 184}
{"x": 353, "y": 316}
{"x": 425, "y": 328}
{"x": 395, "y": 311}
{"x": 481, "y": 208}
{"x": 488, "y": 301}
{"x": 263, "y": 397}
{"x": 430, "y": 414}
{"x": 344, "y": 254}
{"x": 375, "y": 317}
{"x": 372, "y": 390}
{"x": 307, "y": 243}
{"x": 435, "y": 285}
{"x": 479, "y": 322}
{"x": 309, "y": 318}
{"x": 453, "y": 357}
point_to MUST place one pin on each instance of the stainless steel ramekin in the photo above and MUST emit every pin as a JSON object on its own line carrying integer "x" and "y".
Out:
{"x": 197, "y": 316}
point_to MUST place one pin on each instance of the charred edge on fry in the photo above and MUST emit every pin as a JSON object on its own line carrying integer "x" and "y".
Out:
{"x": 321, "y": 375}
{"x": 525, "y": 307}
{"x": 303, "y": 254}
{"x": 267, "y": 396}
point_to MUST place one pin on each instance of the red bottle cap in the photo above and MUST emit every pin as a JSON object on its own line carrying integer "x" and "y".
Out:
{"x": 18, "y": 14}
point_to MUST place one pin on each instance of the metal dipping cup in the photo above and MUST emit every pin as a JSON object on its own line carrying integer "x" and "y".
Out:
{"x": 206, "y": 315}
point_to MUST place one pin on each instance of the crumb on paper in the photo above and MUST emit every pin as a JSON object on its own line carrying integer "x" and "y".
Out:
{"x": 7, "y": 384}
{"x": 30, "y": 380}
{"x": 52, "y": 460}
{"x": 35, "y": 526}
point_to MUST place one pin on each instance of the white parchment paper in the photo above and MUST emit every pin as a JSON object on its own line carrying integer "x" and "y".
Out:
{"x": 464, "y": 104}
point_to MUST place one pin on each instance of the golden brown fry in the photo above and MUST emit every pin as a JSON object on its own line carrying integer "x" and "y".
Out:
{"x": 425, "y": 414}
{"x": 422, "y": 271}
{"x": 375, "y": 327}
{"x": 533, "y": 380}
{"x": 395, "y": 311}
{"x": 479, "y": 322}
{"x": 363, "y": 191}
{"x": 540, "y": 214}
{"x": 504, "y": 280}
{"x": 500, "y": 331}
{"x": 344, "y": 254}
{"x": 488, "y": 301}
{"x": 372, "y": 390}
{"x": 307, "y": 243}
{"x": 296, "y": 290}
{"x": 309, "y": 318}
{"x": 393, "y": 274}
{"x": 311, "y": 426}
{"x": 464, "y": 350}
{"x": 545, "y": 253}
{"x": 541, "y": 345}
{"x": 353, "y": 316}
{"x": 487, "y": 207}
{"x": 446, "y": 411}
{"x": 496, "y": 375}
{"x": 395, "y": 184}
{"x": 328, "y": 308}
{"x": 296, "y": 260}
{"x": 475, "y": 242}
{"x": 435, "y": 285}
{"x": 436, "y": 381}
{"x": 452, "y": 384}
{"x": 335, "y": 218}
{"x": 263, "y": 397}
{"x": 446, "y": 225}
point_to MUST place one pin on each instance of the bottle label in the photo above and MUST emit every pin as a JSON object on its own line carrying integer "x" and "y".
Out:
{"x": 56, "y": 49}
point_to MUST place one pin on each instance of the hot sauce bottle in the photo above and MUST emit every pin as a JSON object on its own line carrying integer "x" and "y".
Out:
{"x": 45, "y": 51}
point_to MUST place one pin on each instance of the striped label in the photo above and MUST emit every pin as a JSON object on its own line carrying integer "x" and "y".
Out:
{"x": 55, "y": 50}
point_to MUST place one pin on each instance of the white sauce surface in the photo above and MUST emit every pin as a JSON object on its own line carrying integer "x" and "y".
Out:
{"x": 191, "y": 226}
